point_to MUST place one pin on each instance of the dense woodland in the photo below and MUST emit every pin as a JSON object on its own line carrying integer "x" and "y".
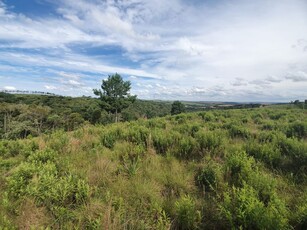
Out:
{"x": 23, "y": 115}
{"x": 218, "y": 169}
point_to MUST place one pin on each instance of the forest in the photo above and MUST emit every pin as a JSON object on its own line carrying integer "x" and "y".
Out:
{"x": 213, "y": 169}
{"x": 22, "y": 115}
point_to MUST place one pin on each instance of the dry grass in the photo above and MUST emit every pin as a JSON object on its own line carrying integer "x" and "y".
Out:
{"x": 32, "y": 217}
{"x": 100, "y": 171}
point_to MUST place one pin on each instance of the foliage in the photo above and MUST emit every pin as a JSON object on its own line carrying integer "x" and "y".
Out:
{"x": 243, "y": 210}
{"x": 219, "y": 169}
{"x": 31, "y": 115}
{"x": 115, "y": 94}
{"x": 177, "y": 108}
{"x": 187, "y": 216}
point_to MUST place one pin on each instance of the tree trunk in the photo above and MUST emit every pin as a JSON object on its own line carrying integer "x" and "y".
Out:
{"x": 116, "y": 119}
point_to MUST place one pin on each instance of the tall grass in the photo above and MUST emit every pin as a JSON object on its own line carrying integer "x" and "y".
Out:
{"x": 224, "y": 169}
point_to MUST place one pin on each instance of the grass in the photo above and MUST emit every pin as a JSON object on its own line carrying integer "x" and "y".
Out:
{"x": 207, "y": 170}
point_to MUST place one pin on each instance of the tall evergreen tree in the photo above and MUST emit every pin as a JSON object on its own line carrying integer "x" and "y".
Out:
{"x": 114, "y": 94}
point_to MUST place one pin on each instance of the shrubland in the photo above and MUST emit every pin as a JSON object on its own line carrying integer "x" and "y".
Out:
{"x": 218, "y": 169}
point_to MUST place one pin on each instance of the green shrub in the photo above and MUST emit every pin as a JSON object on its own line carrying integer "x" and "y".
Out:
{"x": 242, "y": 209}
{"x": 187, "y": 148}
{"x": 238, "y": 167}
{"x": 264, "y": 184}
{"x": 270, "y": 136}
{"x": 42, "y": 157}
{"x": 6, "y": 223}
{"x": 162, "y": 141}
{"x": 209, "y": 117}
{"x": 30, "y": 147}
{"x": 3, "y": 148}
{"x": 181, "y": 118}
{"x": 11, "y": 148}
{"x": 58, "y": 141}
{"x": 294, "y": 157}
{"x": 257, "y": 117}
{"x": 138, "y": 135}
{"x": 238, "y": 132}
{"x": 207, "y": 177}
{"x": 6, "y": 164}
{"x": 297, "y": 129}
{"x": 110, "y": 136}
{"x": 265, "y": 152}
{"x": 130, "y": 158}
{"x": 276, "y": 115}
{"x": 301, "y": 214}
{"x": 156, "y": 123}
{"x": 268, "y": 125}
{"x": 66, "y": 191}
{"x": 187, "y": 129}
{"x": 211, "y": 141}
{"x": 187, "y": 216}
{"x": 20, "y": 178}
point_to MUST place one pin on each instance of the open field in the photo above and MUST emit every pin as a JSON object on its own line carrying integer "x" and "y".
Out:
{"x": 219, "y": 169}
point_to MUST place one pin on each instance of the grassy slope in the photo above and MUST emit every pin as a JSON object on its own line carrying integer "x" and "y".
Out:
{"x": 214, "y": 170}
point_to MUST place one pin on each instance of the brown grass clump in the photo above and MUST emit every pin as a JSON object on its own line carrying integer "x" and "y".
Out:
{"x": 32, "y": 217}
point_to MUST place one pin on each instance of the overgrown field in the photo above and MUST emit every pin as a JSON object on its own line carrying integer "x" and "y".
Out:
{"x": 209, "y": 170}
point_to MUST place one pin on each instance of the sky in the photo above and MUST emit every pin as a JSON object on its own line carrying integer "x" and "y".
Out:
{"x": 200, "y": 50}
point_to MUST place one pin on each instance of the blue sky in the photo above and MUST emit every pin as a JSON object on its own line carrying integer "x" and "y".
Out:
{"x": 234, "y": 50}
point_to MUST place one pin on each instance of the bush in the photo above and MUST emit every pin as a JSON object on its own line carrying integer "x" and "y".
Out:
{"x": 208, "y": 117}
{"x": 268, "y": 125}
{"x": 301, "y": 215}
{"x": 187, "y": 216}
{"x": 297, "y": 129}
{"x": 265, "y": 152}
{"x": 156, "y": 123}
{"x": 138, "y": 135}
{"x": 58, "y": 141}
{"x": 238, "y": 167}
{"x": 11, "y": 148}
{"x": 270, "y": 136}
{"x": 52, "y": 190}
{"x": 19, "y": 180}
{"x": 207, "y": 177}
{"x": 188, "y": 129}
{"x": 210, "y": 141}
{"x": 238, "y": 132}
{"x": 162, "y": 141}
{"x": 294, "y": 156}
{"x": 130, "y": 157}
{"x": 42, "y": 157}
{"x": 264, "y": 184}
{"x": 187, "y": 148}
{"x": 243, "y": 210}
{"x": 3, "y": 148}
{"x": 277, "y": 116}
{"x": 109, "y": 137}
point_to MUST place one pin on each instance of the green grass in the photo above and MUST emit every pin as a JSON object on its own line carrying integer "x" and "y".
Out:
{"x": 221, "y": 169}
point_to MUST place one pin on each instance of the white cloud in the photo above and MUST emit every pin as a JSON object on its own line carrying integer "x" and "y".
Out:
{"x": 273, "y": 79}
{"x": 50, "y": 87}
{"x": 248, "y": 45}
{"x": 298, "y": 76}
{"x": 9, "y": 88}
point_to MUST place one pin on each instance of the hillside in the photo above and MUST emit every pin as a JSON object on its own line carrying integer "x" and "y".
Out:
{"x": 218, "y": 169}
{"x": 22, "y": 115}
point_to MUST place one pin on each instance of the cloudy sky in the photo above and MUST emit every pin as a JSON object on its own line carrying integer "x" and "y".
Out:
{"x": 221, "y": 50}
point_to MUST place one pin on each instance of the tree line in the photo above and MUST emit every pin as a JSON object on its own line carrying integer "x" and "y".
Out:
{"x": 23, "y": 114}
